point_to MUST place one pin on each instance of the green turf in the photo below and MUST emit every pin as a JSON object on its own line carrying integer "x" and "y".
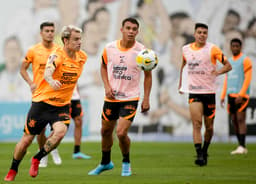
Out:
{"x": 158, "y": 163}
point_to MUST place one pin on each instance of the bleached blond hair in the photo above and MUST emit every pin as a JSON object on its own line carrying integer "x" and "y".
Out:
{"x": 67, "y": 30}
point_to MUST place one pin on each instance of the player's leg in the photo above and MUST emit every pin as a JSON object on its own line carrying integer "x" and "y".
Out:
{"x": 19, "y": 153}
{"x": 240, "y": 126}
{"x": 196, "y": 113}
{"x": 124, "y": 144}
{"x": 77, "y": 116}
{"x": 41, "y": 138}
{"x": 106, "y": 144}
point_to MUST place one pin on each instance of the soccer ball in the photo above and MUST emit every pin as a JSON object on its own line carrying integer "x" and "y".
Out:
{"x": 147, "y": 59}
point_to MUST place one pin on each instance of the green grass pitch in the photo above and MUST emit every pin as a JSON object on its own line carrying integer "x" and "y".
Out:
{"x": 152, "y": 163}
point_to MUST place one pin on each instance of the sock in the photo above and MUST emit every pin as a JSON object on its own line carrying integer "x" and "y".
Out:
{"x": 242, "y": 140}
{"x": 41, "y": 154}
{"x": 238, "y": 138}
{"x": 198, "y": 148}
{"x": 77, "y": 148}
{"x": 15, "y": 164}
{"x": 205, "y": 147}
{"x": 126, "y": 157}
{"x": 105, "y": 157}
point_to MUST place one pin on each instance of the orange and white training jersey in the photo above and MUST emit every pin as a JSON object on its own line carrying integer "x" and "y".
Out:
{"x": 67, "y": 71}
{"x": 38, "y": 55}
{"x": 200, "y": 64}
{"x": 123, "y": 72}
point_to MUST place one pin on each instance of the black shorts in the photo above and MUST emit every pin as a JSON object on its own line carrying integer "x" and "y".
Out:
{"x": 76, "y": 108}
{"x": 114, "y": 110}
{"x": 40, "y": 114}
{"x": 233, "y": 107}
{"x": 208, "y": 101}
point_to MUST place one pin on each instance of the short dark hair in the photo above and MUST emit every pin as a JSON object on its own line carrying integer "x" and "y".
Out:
{"x": 202, "y": 25}
{"x": 236, "y": 40}
{"x": 130, "y": 19}
{"x": 45, "y": 24}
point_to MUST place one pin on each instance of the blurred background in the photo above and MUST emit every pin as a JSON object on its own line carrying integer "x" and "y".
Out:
{"x": 165, "y": 26}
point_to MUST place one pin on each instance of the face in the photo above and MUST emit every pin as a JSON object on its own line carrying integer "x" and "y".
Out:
{"x": 47, "y": 33}
{"x": 235, "y": 48}
{"x": 230, "y": 22}
{"x": 129, "y": 31}
{"x": 74, "y": 42}
{"x": 91, "y": 38}
{"x": 103, "y": 20}
{"x": 201, "y": 35}
{"x": 13, "y": 54}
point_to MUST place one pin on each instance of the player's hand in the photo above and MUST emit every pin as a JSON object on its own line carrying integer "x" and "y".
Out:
{"x": 145, "y": 106}
{"x": 222, "y": 103}
{"x": 109, "y": 93}
{"x": 33, "y": 87}
{"x": 239, "y": 100}
{"x": 215, "y": 72}
{"x": 55, "y": 84}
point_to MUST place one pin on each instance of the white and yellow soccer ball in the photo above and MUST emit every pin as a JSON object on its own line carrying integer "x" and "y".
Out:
{"x": 147, "y": 59}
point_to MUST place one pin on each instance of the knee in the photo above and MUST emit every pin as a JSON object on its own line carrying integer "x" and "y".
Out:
{"x": 106, "y": 132}
{"x": 78, "y": 121}
{"x": 121, "y": 134}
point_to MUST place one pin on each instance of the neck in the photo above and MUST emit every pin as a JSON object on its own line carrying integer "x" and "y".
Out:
{"x": 70, "y": 53}
{"x": 127, "y": 44}
{"x": 47, "y": 44}
{"x": 199, "y": 45}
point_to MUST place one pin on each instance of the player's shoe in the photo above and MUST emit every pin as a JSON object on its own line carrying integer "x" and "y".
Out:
{"x": 33, "y": 171}
{"x": 10, "y": 175}
{"x": 205, "y": 156}
{"x": 44, "y": 161}
{"x": 100, "y": 168}
{"x": 56, "y": 157}
{"x": 80, "y": 155}
{"x": 126, "y": 169}
{"x": 239, "y": 150}
{"x": 200, "y": 160}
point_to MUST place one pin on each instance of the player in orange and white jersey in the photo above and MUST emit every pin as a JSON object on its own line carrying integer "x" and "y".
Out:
{"x": 121, "y": 77}
{"x": 51, "y": 100}
{"x": 200, "y": 58}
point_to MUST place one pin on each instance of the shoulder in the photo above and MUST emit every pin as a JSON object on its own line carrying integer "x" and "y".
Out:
{"x": 82, "y": 54}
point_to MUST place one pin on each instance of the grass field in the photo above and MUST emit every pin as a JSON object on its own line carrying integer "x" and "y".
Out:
{"x": 152, "y": 163}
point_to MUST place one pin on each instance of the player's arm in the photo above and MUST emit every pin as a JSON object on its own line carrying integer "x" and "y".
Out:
{"x": 181, "y": 70}
{"x": 216, "y": 54}
{"x": 25, "y": 75}
{"x": 224, "y": 91}
{"x": 145, "y": 106}
{"x": 247, "y": 76}
{"x": 49, "y": 70}
{"x": 104, "y": 75}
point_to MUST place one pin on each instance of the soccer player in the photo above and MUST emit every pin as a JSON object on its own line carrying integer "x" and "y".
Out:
{"x": 37, "y": 55}
{"x": 121, "y": 78}
{"x": 237, "y": 87}
{"x": 200, "y": 58}
{"x": 51, "y": 100}
{"x": 77, "y": 116}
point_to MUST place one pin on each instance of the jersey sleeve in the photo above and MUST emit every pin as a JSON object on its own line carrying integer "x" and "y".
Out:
{"x": 217, "y": 54}
{"x": 29, "y": 56}
{"x": 247, "y": 76}
{"x": 104, "y": 59}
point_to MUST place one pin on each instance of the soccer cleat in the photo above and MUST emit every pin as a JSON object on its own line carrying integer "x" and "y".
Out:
{"x": 33, "y": 171}
{"x": 126, "y": 169}
{"x": 56, "y": 157}
{"x": 239, "y": 150}
{"x": 10, "y": 175}
{"x": 100, "y": 168}
{"x": 44, "y": 161}
{"x": 200, "y": 160}
{"x": 80, "y": 155}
